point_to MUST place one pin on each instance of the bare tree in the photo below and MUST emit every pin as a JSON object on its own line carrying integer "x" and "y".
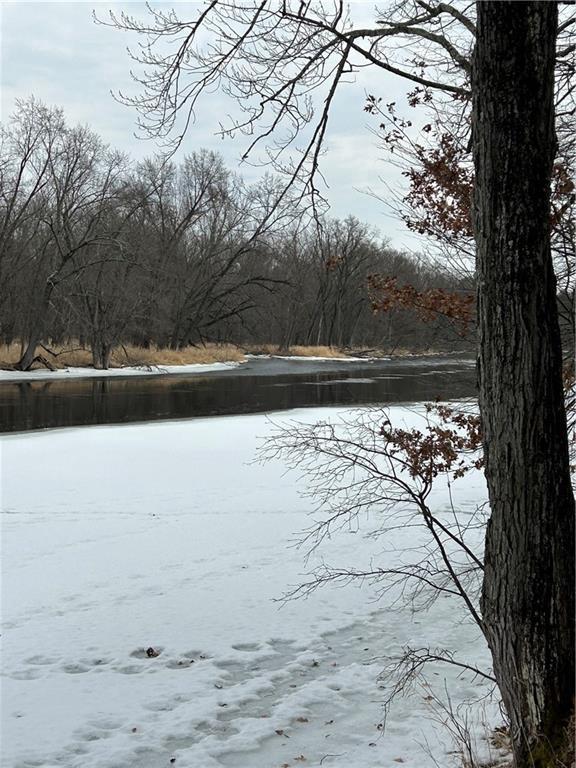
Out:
{"x": 362, "y": 465}
{"x": 66, "y": 182}
{"x": 27, "y": 143}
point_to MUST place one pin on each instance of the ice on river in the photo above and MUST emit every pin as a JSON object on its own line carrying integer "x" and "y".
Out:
{"x": 164, "y": 536}
{"x": 93, "y": 373}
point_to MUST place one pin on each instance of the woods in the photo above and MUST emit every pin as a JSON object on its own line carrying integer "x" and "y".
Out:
{"x": 101, "y": 251}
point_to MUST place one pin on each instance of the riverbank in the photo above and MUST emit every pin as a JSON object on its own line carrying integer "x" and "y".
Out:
{"x": 73, "y": 362}
{"x": 73, "y": 355}
{"x": 44, "y": 374}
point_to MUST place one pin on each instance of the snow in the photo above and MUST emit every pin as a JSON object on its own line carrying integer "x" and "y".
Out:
{"x": 311, "y": 358}
{"x": 89, "y": 373}
{"x": 156, "y": 370}
{"x": 168, "y": 536}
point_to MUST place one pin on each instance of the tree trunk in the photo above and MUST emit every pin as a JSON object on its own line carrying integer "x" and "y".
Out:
{"x": 101, "y": 352}
{"x": 35, "y": 337}
{"x": 29, "y": 354}
{"x": 527, "y": 599}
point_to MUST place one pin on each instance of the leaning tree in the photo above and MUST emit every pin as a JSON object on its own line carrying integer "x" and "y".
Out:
{"x": 283, "y": 63}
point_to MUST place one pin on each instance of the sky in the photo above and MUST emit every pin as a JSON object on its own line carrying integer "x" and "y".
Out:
{"x": 55, "y": 51}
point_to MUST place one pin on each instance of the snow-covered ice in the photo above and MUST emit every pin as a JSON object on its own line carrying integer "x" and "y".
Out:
{"x": 165, "y": 536}
{"x": 156, "y": 370}
{"x": 91, "y": 373}
{"x": 347, "y": 359}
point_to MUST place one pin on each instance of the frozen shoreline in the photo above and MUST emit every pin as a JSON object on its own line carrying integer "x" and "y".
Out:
{"x": 158, "y": 370}
{"x": 92, "y": 373}
{"x": 163, "y": 535}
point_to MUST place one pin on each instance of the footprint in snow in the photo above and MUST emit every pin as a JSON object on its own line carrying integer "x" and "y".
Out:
{"x": 41, "y": 660}
{"x": 247, "y": 647}
{"x": 150, "y": 652}
{"x": 26, "y": 674}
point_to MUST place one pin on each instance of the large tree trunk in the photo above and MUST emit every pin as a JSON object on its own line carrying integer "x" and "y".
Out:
{"x": 527, "y": 600}
{"x": 101, "y": 352}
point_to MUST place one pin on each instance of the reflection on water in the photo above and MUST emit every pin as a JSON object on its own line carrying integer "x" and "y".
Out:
{"x": 254, "y": 388}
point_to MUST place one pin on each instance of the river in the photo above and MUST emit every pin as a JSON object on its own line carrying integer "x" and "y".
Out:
{"x": 259, "y": 385}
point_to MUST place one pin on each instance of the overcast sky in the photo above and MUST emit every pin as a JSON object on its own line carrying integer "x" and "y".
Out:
{"x": 56, "y": 52}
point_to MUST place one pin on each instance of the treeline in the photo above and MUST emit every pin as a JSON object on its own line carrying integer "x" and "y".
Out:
{"x": 101, "y": 249}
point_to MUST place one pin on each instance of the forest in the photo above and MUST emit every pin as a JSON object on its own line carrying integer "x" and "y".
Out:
{"x": 100, "y": 251}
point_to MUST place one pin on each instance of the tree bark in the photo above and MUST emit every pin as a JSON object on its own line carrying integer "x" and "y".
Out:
{"x": 527, "y": 599}
{"x": 35, "y": 337}
{"x": 101, "y": 352}
{"x": 29, "y": 354}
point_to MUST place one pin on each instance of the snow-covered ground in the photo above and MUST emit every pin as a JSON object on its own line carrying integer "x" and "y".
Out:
{"x": 155, "y": 370}
{"x": 90, "y": 373}
{"x": 164, "y": 536}
{"x": 311, "y": 358}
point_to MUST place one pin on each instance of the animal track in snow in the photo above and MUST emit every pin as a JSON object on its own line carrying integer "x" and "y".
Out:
{"x": 248, "y": 647}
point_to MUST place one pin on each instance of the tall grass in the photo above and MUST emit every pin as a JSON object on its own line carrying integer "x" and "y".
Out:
{"x": 72, "y": 355}
{"x": 296, "y": 351}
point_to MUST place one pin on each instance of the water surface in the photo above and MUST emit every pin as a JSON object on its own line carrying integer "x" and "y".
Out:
{"x": 260, "y": 385}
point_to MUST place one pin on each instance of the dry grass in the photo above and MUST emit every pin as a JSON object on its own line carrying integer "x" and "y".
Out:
{"x": 295, "y": 351}
{"x": 73, "y": 356}
{"x": 317, "y": 352}
{"x": 211, "y": 353}
{"x": 301, "y": 351}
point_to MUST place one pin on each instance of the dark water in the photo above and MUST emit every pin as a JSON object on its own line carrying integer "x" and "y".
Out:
{"x": 258, "y": 386}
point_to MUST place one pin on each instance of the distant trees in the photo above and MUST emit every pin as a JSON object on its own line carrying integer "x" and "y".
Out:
{"x": 96, "y": 248}
{"x": 60, "y": 186}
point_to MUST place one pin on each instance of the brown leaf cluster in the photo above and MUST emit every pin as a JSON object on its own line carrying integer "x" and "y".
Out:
{"x": 386, "y": 294}
{"x": 333, "y": 262}
{"x": 440, "y": 195}
{"x": 450, "y": 446}
{"x": 563, "y": 193}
